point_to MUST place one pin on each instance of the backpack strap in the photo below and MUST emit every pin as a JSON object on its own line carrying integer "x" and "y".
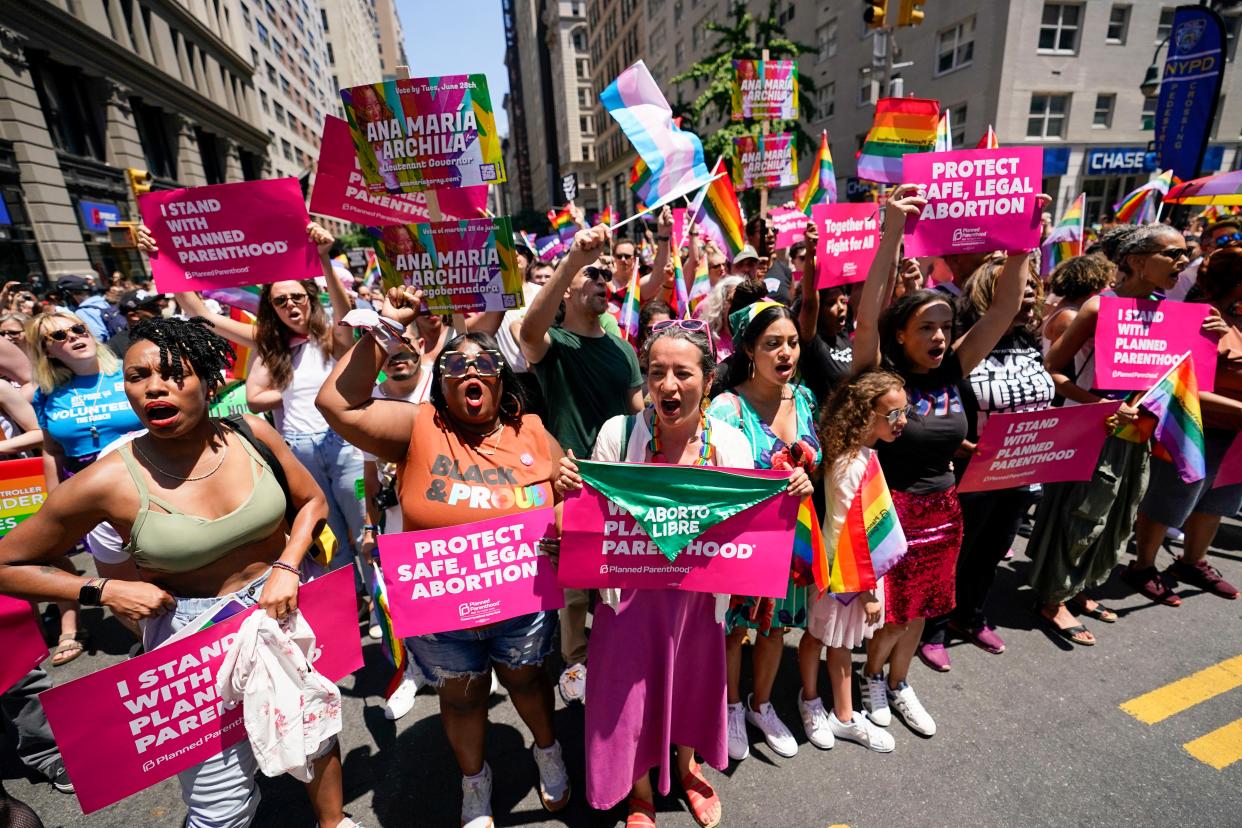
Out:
{"x": 238, "y": 423}
{"x": 631, "y": 422}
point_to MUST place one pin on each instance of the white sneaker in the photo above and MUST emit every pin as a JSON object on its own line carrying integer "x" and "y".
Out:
{"x": 815, "y": 722}
{"x": 862, "y": 730}
{"x": 739, "y": 745}
{"x": 911, "y": 710}
{"x": 573, "y": 683}
{"x": 402, "y": 699}
{"x": 775, "y": 733}
{"x": 875, "y": 700}
{"x": 476, "y": 799}
{"x": 553, "y": 778}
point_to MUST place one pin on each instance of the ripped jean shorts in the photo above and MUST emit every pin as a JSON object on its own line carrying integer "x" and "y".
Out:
{"x": 518, "y": 642}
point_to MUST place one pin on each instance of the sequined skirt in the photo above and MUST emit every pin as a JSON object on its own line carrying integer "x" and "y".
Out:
{"x": 921, "y": 585}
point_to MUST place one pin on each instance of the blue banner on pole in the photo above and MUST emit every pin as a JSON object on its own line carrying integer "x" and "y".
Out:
{"x": 1189, "y": 89}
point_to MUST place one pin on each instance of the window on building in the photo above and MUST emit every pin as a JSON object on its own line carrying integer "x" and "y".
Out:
{"x": 284, "y": 84}
{"x": 584, "y": 97}
{"x": 955, "y": 46}
{"x": 1103, "y": 115}
{"x": 677, "y": 13}
{"x": 278, "y": 48}
{"x": 866, "y": 86}
{"x": 584, "y": 72}
{"x": 1118, "y": 24}
{"x": 245, "y": 10}
{"x": 270, "y": 9}
{"x": 1046, "y": 118}
{"x": 286, "y": 149}
{"x": 786, "y": 15}
{"x": 678, "y": 53}
{"x": 159, "y": 145}
{"x": 211, "y": 152}
{"x": 826, "y": 99}
{"x": 254, "y": 56}
{"x": 695, "y": 32}
{"x": 575, "y": 9}
{"x": 1165, "y": 24}
{"x": 1149, "y": 112}
{"x": 826, "y": 40}
{"x": 1058, "y": 29}
{"x": 579, "y": 40}
{"x": 263, "y": 101}
{"x": 271, "y": 72}
{"x": 280, "y": 112}
{"x": 957, "y": 125}
{"x": 263, "y": 36}
{"x": 74, "y": 115}
{"x": 584, "y": 124}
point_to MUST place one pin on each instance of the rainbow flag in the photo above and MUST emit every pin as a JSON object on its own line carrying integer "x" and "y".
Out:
{"x": 241, "y": 363}
{"x": 562, "y": 222}
{"x": 372, "y": 276}
{"x": 989, "y": 140}
{"x": 681, "y": 300}
{"x": 821, "y": 187}
{"x": 1217, "y": 212}
{"x": 640, "y": 183}
{"x": 390, "y": 643}
{"x": 722, "y": 216}
{"x": 18, "y": 475}
{"x": 1139, "y": 207}
{"x": 810, "y": 556}
{"x": 901, "y": 125}
{"x": 944, "y": 133}
{"x": 702, "y": 280}
{"x": 1175, "y": 421}
{"x": 246, "y": 298}
{"x": 872, "y": 540}
{"x": 1065, "y": 240}
{"x": 606, "y": 216}
{"x": 627, "y": 319}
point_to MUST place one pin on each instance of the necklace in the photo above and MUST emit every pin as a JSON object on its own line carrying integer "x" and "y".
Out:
{"x": 657, "y": 448}
{"x": 223, "y": 454}
{"x": 482, "y": 447}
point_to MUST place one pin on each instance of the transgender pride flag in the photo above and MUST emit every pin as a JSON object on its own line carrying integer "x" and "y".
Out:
{"x": 674, "y": 158}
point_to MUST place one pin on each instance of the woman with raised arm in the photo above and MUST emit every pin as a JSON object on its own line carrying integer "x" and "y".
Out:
{"x": 475, "y": 420}
{"x": 202, "y": 517}
{"x": 913, "y": 337}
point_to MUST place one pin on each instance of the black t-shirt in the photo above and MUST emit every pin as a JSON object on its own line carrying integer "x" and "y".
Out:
{"x": 920, "y": 461}
{"x": 779, "y": 281}
{"x": 825, "y": 362}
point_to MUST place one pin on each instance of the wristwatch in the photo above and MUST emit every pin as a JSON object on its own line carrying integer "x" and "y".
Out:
{"x": 91, "y": 594}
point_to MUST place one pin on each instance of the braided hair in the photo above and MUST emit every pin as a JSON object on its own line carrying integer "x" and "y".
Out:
{"x": 187, "y": 340}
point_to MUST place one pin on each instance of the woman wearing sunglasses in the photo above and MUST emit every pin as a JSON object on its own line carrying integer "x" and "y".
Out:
{"x": 13, "y": 327}
{"x": 80, "y": 404}
{"x": 469, "y": 454}
{"x": 658, "y": 661}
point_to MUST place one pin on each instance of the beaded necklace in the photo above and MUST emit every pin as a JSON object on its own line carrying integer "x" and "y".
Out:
{"x": 657, "y": 449}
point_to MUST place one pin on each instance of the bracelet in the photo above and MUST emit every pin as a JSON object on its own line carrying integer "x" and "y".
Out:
{"x": 372, "y": 528}
{"x": 287, "y": 568}
{"x": 663, "y": 238}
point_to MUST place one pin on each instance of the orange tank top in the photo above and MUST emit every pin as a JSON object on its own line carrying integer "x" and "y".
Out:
{"x": 450, "y": 477}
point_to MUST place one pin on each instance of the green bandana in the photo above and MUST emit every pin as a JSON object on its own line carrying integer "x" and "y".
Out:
{"x": 676, "y": 504}
{"x": 742, "y": 317}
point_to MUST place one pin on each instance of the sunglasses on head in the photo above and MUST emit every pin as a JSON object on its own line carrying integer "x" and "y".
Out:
{"x": 295, "y": 298}
{"x": 693, "y": 325}
{"x": 62, "y": 334}
{"x": 898, "y": 414}
{"x": 11, "y": 334}
{"x": 455, "y": 364}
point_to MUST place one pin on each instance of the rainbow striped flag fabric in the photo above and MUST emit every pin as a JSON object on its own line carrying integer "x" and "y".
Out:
{"x": 1173, "y": 402}
{"x": 681, "y": 299}
{"x": 872, "y": 540}
{"x": 390, "y": 643}
{"x": 640, "y": 183}
{"x": 1137, "y": 207}
{"x": 372, "y": 276}
{"x": 989, "y": 140}
{"x": 821, "y": 187}
{"x": 241, "y": 362}
{"x": 606, "y": 216}
{"x": 901, "y": 125}
{"x": 722, "y": 216}
{"x": 1065, "y": 240}
{"x": 702, "y": 280}
{"x": 944, "y": 133}
{"x": 627, "y": 319}
{"x": 810, "y": 556}
{"x": 562, "y": 222}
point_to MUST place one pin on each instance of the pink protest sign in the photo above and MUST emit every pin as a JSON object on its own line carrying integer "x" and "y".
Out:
{"x": 679, "y": 225}
{"x": 790, "y": 226}
{"x": 977, "y": 200}
{"x": 21, "y": 640}
{"x": 848, "y": 237}
{"x": 227, "y": 235}
{"x": 469, "y": 575}
{"x": 127, "y": 727}
{"x": 1048, "y": 446}
{"x": 1138, "y": 340}
{"x": 341, "y": 192}
{"x": 1230, "y": 471}
{"x": 747, "y": 554}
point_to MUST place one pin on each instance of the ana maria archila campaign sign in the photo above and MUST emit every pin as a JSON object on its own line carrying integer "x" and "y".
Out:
{"x": 1189, "y": 89}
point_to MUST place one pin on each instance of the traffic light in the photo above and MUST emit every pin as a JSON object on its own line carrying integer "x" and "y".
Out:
{"x": 139, "y": 181}
{"x": 910, "y": 13}
{"x": 874, "y": 12}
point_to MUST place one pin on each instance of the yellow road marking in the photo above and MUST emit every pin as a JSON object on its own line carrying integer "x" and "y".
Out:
{"x": 1220, "y": 748}
{"x": 1185, "y": 693}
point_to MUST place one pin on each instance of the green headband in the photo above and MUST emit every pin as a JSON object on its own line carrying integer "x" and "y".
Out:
{"x": 740, "y": 319}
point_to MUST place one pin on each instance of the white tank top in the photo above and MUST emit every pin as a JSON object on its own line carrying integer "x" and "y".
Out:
{"x": 310, "y": 370}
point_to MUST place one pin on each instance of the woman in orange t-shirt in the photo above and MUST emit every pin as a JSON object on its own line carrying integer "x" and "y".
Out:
{"x": 468, "y": 454}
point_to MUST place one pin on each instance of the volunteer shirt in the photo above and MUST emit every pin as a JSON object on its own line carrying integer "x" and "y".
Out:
{"x": 825, "y": 363}
{"x": 87, "y": 413}
{"x": 449, "y": 477}
{"x": 920, "y": 461}
{"x": 586, "y": 381}
{"x": 779, "y": 281}
{"x": 1011, "y": 378}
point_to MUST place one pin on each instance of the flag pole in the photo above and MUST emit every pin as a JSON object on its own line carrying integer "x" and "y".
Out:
{"x": 1164, "y": 377}
{"x": 765, "y": 125}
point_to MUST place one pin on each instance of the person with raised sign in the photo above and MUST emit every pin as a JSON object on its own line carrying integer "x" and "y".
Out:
{"x": 203, "y": 517}
{"x": 914, "y": 337}
{"x": 1081, "y": 528}
{"x": 470, "y": 453}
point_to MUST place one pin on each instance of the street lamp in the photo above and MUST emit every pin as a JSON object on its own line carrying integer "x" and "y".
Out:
{"x": 1150, "y": 87}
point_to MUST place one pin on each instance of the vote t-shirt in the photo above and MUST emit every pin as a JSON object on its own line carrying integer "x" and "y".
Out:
{"x": 450, "y": 477}
{"x": 86, "y": 413}
{"x": 920, "y": 461}
{"x": 825, "y": 362}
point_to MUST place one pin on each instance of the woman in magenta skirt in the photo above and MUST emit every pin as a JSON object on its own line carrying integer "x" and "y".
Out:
{"x": 660, "y": 679}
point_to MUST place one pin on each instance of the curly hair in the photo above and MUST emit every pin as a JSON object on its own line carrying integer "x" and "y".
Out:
{"x": 190, "y": 341}
{"x": 1139, "y": 241}
{"x": 510, "y": 388}
{"x": 272, "y": 334}
{"x": 1081, "y": 277}
{"x": 714, "y": 309}
{"x": 979, "y": 289}
{"x": 845, "y": 420}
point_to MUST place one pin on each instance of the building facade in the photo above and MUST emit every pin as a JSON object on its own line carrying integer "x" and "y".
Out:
{"x": 92, "y": 89}
{"x": 391, "y": 38}
{"x": 618, "y": 34}
{"x": 354, "y": 43}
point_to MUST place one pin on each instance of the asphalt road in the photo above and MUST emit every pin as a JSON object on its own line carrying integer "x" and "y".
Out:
{"x": 1033, "y": 737}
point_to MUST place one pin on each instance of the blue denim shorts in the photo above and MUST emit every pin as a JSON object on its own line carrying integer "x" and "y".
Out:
{"x": 518, "y": 642}
{"x": 1170, "y": 501}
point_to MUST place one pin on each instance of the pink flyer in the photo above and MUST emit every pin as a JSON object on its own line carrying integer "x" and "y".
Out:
{"x": 790, "y": 226}
{"x": 849, "y": 235}
{"x": 977, "y": 200}
{"x": 1048, "y": 446}
{"x": 747, "y": 554}
{"x": 229, "y": 235}
{"x": 21, "y": 640}
{"x": 470, "y": 575}
{"x": 1138, "y": 340}
{"x": 129, "y": 726}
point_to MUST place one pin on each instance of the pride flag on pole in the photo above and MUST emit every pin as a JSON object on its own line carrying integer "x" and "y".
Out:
{"x": 989, "y": 140}
{"x": 722, "y": 216}
{"x": 944, "y": 133}
{"x": 1172, "y": 414}
{"x": 562, "y": 222}
{"x": 606, "y": 216}
{"x": 872, "y": 540}
{"x": 1065, "y": 240}
{"x": 821, "y": 187}
{"x": 391, "y": 644}
{"x": 1139, "y": 207}
{"x": 901, "y": 125}
{"x": 627, "y": 319}
{"x": 810, "y": 557}
{"x": 673, "y": 157}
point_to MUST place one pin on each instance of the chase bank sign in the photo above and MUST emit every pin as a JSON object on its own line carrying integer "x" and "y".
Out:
{"x": 1116, "y": 161}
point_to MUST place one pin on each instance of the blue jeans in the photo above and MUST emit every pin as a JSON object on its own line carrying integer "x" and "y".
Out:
{"x": 335, "y": 465}
{"x": 518, "y": 642}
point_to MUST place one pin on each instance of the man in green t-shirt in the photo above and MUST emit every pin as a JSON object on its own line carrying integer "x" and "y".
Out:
{"x": 588, "y": 377}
